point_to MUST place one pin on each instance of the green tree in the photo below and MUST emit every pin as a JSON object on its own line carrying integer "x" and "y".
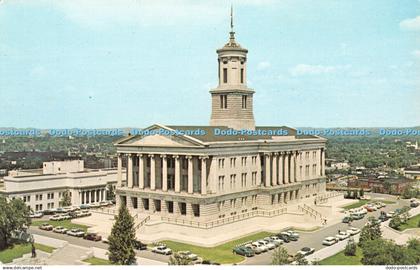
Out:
{"x": 14, "y": 216}
{"x": 413, "y": 245}
{"x": 123, "y": 234}
{"x": 395, "y": 222}
{"x": 384, "y": 252}
{"x": 280, "y": 256}
{"x": 66, "y": 199}
{"x": 177, "y": 259}
{"x": 361, "y": 192}
{"x": 351, "y": 247}
{"x": 371, "y": 231}
{"x": 301, "y": 260}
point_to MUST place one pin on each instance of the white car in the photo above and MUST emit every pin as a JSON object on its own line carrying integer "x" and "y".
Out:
{"x": 75, "y": 232}
{"x": 268, "y": 244}
{"x": 276, "y": 239}
{"x": 342, "y": 235}
{"x": 188, "y": 255}
{"x": 56, "y": 218}
{"x": 293, "y": 233}
{"x": 65, "y": 216}
{"x": 260, "y": 246}
{"x": 390, "y": 214}
{"x": 36, "y": 215}
{"x": 306, "y": 251}
{"x": 60, "y": 229}
{"x": 269, "y": 240}
{"x": 256, "y": 249}
{"x": 162, "y": 250}
{"x": 353, "y": 231}
{"x": 329, "y": 241}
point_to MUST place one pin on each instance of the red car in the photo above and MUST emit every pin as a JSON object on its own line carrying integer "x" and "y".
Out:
{"x": 92, "y": 237}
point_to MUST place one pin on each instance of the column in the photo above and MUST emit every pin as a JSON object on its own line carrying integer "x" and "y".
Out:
{"x": 87, "y": 197}
{"x": 281, "y": 169}
{"x": 286, "y": 168}
{"x": 190, "y": 174}
{"x": 82, "y": 194}
{"x": 130, "y": 171}
{"x": 152, "y": 172}
{"x": 164, "y": 173}
{"x": 274, "y": 176}
{"x": 267, "y": 172}
{"x": 322, "y": 161}
{"x": 292, "y": 167}
{"x": 141, "y": 171}
{"x": 297, "y": 164}
{"x": 177, "y": 175}
{"x": 203, "y": 175}
{"x": 92, "y": 193}
{"x": 119, "y": 170}
{"x": 259, "y": 170}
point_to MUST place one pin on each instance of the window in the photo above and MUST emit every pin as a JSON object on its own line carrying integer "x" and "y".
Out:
{"x": 242, "y": 75}
{"x": 225, "y": 75}
{"x": 221, "y": 163}
{"x": 232, "y": 162}
{"x": 243, "y": 180}
{"x": 243, "y": 161}
{"x": 223, "y": 101}
{"x": 244, "y": 98}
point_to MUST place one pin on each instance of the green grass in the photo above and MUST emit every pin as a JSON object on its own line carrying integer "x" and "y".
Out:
{"x": 341, "y": 259}
{"x": 222, "y": 253}
{"x": 63, "y": 223}
{"x": 411, "y": 223}
{"x": 97, "y": 261}
{"x": 363, "y": 202}
{"x": 18, "y": 250}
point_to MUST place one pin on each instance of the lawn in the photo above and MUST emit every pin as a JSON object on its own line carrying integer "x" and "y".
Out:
{"x": 341, "y": 259}
{"x": 63, "y": 223}
{"x": 222, "y": 253}
{"x": 411, "y": 223}
{"x": 363, "y": 202}
{"x": 97, "y": 261}
{"x": 18, "y": 250}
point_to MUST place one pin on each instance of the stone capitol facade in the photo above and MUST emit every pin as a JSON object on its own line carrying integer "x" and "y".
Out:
{"x": 206, "y": 178}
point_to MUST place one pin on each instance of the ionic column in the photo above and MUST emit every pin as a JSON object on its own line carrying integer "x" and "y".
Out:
{"x": 292, "y": 167}
{"x": 286, "y": 168}
{"x": 164, "y": 173}
{"x": 259, "y": 170}
{"x": 281, "y": 169}
{"x": 267, "y": 169}
{"x": 322, "y": 161}
{"x": 119, "y": 170}
{"x": 141, "y": 171}
{"x": 87, "y": 196}
{"x": 297, "y": 165}
{"x": 152, "y": 172}
{"x": 130, "y": 171}
{"x": 82, "y": 195}
{"x": 203, "y": 175}
{"x": 274, "y": 176}
{"x": 177, "y": 175}
{"x": 92, "y": 199}
{"x": 190, "y": 174}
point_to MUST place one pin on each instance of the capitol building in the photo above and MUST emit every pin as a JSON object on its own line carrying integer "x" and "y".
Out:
{"x": 201, "y": 179}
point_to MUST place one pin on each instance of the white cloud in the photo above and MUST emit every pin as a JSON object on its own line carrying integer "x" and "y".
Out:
{"x": 411, "y": 24}
{"x": 304, "y": 69}
{"x": 97, "y": 13}
{"x": 416, "y": 54}
{"x": 263, "y": 65}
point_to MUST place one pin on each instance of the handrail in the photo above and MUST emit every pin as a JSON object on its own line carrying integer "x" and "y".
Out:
{"x": 141, "y": 223}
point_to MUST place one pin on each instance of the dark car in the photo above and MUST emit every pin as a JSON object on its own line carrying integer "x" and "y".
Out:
{"x": 210, "y": 262}
{"x": 414, "y": 204}
{"x": 347, "y": 219}
{"x": 244, "y": 251}
{"x": 306, "y": 251}
{"x": 283, "y": 237}
{"x": 49, "y": 212}
{"x": 92, "y": 237}
{"x": 139, "y": 245}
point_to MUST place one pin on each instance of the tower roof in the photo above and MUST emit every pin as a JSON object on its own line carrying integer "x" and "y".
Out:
{"x": 232, "y": 44}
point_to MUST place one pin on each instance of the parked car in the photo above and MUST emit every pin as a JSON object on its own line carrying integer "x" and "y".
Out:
{"x": 75, "y": 232}
{"x": 414, "y": 204}
{"x": 275, "y": 243}
{"x": 66, "y": 216}
{"x": 92, "y": 237}
{"x": 84, "y": 206}
{"x": 268, "y": 244}
{"x": 290, "y": 236}
{"x": 51, "y": 211}
{"x": 357, "y": 216}
{"x": 257, "y": 250}
{"x": 390, "y": 214}
{"x": 162, "y": 250}
{"x": 329, "y": 241}
{"x": 56, "y": 218}
{"x": 105, "y": 240}
{"x": 60, "y": 229}
{"x": 342, "y": 235}
{"x": 86, "y": 213}
{"x": 306, "y": 251}
{"x": 244, "y": 251}
{"x": 347, "y": 219}
{"x": 277, "y": 239}
{"x": 283, "y": 237}
{"x": 260, "y": 246}
{"x": 37, "y": 214}
{"x": 353, "y": 231}
{"x": 188, "y": 255}
{"x": 293, "y": 234}
{"x": 139, "y": 245}
{"x": 46, "y": 227}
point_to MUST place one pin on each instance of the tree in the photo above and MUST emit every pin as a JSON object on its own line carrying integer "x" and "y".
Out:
{"x": 301, "y": 260}
{"x": 361, "y": 192}
{"x": 395, "y": 222}
{"x": 280, "y": 256}
{"x": 371, "y": 231}
{"x": 123, "y": 234}
{"x": 351, "y": 247}
{"x": 177, "y": 259}
{"x": 110, "y": 192}
{"x": 413, "y": 245}
{"x": 385, "y": 252}
{"x": 14, "y": 216}
{"x": 66, "y": 199}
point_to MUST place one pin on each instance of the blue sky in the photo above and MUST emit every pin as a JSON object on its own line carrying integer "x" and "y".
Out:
{"x": 103, "y": 63}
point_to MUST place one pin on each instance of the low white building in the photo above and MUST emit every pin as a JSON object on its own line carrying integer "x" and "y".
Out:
{"x": 43, "y": 189}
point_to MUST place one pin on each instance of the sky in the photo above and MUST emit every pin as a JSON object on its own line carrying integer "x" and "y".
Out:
{"x": 133, "y": 63}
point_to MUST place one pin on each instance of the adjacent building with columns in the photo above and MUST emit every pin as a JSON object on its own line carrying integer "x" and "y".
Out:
{"x": 204, "y": 176}
{"x": 44, "y": 188}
